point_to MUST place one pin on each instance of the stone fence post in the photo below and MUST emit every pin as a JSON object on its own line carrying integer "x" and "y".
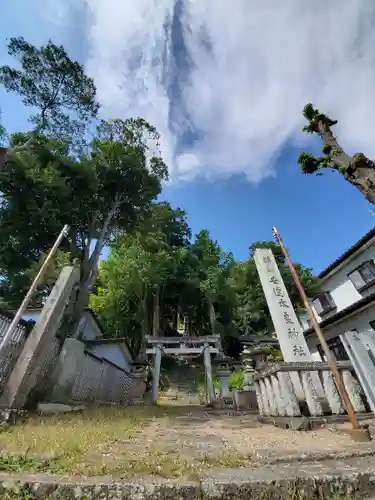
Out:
{"x": 277, "y": 396}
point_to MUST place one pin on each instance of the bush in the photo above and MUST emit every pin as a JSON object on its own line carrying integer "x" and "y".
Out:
{"x": 217, "y": 382}
{"x": 236, "y": 381}
{"x": 274, "y": 355}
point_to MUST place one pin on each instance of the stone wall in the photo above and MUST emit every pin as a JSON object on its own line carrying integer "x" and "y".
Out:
{"x": 81, "y": 377}
{"x": 45, "y": 367}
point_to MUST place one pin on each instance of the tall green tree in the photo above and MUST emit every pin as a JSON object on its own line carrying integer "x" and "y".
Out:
{"x": 61, "y": 97}
{"x": 214, "y": 273}
{"x": 130, "y": 294}
{"x": 357, "y": 169}
{"x": 107, "y": 190}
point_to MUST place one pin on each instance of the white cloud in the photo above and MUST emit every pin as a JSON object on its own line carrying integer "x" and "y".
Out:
{"x": 245, "y": 96}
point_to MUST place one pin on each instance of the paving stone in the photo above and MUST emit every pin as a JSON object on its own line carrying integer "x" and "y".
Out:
{"x": 310, "y": 481}
{"x": 277, "y": 456}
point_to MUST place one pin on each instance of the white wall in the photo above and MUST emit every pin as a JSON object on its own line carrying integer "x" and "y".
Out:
{"x": 111, "y": 352}
{"x": 359, "y": 322}
{"x": 90, "y": 330}
{"x": 342, "y": 290}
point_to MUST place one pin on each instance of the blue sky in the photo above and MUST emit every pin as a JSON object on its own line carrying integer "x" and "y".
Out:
{"x": 227, "y": 100}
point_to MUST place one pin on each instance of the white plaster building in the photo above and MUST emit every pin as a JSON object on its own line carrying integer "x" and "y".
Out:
{"x": 348, "y": 300}
{"x": 90, "y": 332}
{"x": 116, "y": 351}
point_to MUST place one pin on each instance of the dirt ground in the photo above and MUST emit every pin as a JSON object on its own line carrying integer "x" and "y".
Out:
{"x": 169, "y": 442}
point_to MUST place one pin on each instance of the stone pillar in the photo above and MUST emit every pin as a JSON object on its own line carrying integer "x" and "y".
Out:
{"x": 289, "y": 397}
{"x": 312, "y": 399}
{"x": 332, "y": 394}
{"x": 224, "y": 374}
{"x": 258, "y": 392}
{"x": 249, "y": 371}
{"x": 278, "y": 395}
{"x": 67, "y": 368}
{"x": 25, "y": 373}
{"x": 156, "y": 375}
{"x": 354, "y": 390}
{"x": 271, "y": 397}
{"x": 208, "y": 368}
{"x": 354, "y": 344}
{"x": 263, "y": 391}
{"x": 138, "y": 388}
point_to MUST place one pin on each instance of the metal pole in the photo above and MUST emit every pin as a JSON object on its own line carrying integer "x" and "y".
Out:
{"x": 13, "y": 326}
{"x": 330, "y": 359}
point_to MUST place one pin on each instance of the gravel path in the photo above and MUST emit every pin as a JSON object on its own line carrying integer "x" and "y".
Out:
{"x": 197, "y": 435}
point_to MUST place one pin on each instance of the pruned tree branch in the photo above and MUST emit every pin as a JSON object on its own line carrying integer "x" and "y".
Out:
{"x": 358, "y": 169}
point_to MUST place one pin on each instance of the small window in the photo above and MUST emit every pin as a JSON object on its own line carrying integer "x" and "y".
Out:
{"x": 337, "y": 350}
{"x": 363, "y": 276}
{"x": 323, "y": 303}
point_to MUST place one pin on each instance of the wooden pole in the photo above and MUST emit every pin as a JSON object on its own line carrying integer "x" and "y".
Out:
{"x": 330, "y": 359}
{"x": 13, "y": 326}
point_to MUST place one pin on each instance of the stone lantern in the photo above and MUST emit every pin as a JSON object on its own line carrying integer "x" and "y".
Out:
{"x": 249, "y": 371}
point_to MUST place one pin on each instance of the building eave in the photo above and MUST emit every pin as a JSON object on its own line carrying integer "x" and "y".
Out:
{"x": 362, "y": 243}
{"x": 354, "y": 308}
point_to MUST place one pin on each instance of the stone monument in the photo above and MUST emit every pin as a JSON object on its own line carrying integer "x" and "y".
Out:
{"x": 289, "y": 332}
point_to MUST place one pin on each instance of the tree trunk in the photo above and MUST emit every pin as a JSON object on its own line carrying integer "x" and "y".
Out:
{"x": 175, "y": 320}
{"x": 156, "y": 313}
{"x": 337, "y": 154}
{"x": 144, "y": 316}
{"x": 361, "y": 174}
{"x": 358, "y": 170}
{"x": 212, "y": 315}
{"x": 89, "y": 269}
{"x": 3, "y": 155}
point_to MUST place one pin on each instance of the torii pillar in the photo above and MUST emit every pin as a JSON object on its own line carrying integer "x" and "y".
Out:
{"x": 208, "y": 368}
{"x": 156, "y": 374}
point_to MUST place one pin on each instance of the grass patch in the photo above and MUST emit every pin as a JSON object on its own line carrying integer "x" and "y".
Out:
{"x": 101, "y": 441}
{"x": 60, "y": 443}
{"x": 171, "y": 464}
{"x": 70, "y": 433}
{"x": 228, "y": 461}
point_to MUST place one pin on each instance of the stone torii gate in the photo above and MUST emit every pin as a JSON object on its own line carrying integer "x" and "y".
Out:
{"x": 184, "y": 346}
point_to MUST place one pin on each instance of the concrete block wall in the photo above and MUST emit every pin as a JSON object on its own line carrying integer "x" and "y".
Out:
{"x": 82, "y": 377}
{"x": 47, "y": 365}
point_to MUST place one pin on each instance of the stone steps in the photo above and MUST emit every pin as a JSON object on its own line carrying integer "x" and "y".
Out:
{"x": 183, "y": 388}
